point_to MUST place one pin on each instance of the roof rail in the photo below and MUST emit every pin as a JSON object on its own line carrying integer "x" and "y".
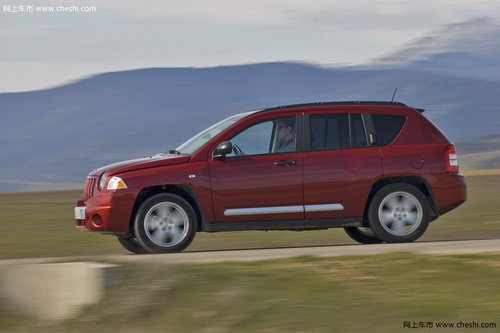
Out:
{"x": 335, "y": 103}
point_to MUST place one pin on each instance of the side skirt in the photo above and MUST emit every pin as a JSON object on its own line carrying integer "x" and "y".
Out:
{"x": 296, "y": 225}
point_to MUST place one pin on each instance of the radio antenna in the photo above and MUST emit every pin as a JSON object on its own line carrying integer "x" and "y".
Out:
{"x": 392, "y": 100}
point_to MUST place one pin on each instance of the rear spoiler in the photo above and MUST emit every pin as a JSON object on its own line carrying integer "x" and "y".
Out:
{"x": 420, "y": 110}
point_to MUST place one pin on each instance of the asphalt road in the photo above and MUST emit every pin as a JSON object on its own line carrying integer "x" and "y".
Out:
{"x": 441, "y": 247}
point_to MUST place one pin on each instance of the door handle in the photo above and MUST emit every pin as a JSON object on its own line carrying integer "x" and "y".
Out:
{"x": 284, "y": 162}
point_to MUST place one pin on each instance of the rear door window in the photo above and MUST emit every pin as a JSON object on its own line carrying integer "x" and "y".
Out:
{"x": 329, "y": 131}
{"x": 358, "y": 134}
{"x": 337, "y": 131}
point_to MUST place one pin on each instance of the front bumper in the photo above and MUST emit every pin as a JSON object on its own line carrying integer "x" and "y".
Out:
{"x": 106, "y": 212}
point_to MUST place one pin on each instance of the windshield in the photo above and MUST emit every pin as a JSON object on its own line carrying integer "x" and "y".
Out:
{"x": 193, "y": 144}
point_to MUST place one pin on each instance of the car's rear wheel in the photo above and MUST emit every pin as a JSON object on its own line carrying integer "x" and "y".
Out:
{"x": 362, "y": 235}
{"x": 132, "y": 245}
{"x": 165, "y": 223}
{"x": 399, "y": 213}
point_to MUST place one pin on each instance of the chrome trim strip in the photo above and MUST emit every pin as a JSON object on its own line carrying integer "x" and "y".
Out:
{"x": 263, "y": 210}
{"x": 323, "y": 208}
{"x": 283, "y": 209}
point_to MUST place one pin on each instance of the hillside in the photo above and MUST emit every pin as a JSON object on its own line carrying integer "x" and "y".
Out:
{"x": 468, "y": 49}
{"x": 482, "y": 153}
{"x": 52, "y": 138}
{"x": 58, "y": 135}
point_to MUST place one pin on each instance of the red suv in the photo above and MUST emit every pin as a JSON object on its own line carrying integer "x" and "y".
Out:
{"x": 380, "y": 170}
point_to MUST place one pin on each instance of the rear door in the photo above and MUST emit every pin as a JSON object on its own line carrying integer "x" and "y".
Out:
{"x": 340, "y": 165}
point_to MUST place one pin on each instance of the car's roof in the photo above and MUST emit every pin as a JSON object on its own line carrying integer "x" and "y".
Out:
{"x": 336, "y": 103}
{"x": 319, "y": 104}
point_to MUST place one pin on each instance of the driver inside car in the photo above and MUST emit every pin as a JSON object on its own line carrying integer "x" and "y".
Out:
{"x": 285, "y": 136}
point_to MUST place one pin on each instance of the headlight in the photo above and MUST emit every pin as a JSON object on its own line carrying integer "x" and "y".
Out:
{"x": 102, "y": 181}
{"x": 116, "y": 183}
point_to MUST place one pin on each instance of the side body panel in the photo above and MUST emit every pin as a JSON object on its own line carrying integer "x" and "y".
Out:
{"x": 256, "y": 182}
{"x": 343, "y": 176}
{"x": 418, "y": 151}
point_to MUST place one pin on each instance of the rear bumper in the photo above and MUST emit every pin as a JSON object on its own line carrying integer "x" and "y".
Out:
{"x": 106, "y": 212}
{"x": 450, "y": 191}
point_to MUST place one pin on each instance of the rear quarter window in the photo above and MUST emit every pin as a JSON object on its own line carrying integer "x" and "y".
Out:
{"x": 387, "y": 127}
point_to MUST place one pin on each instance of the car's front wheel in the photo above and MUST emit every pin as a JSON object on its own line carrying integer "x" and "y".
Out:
{"x": 165, "y": 223}
{"x": 132, "y": 245}
{"x": 399, "y": 213}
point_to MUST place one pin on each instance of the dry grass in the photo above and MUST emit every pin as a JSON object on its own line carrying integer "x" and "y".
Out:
{"x": 480, "y": 172}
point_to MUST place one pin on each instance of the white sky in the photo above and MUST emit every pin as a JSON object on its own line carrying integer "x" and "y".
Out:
{"x": 39, "y": 50}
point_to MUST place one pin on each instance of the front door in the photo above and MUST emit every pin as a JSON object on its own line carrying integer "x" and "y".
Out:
{"x": 261, "y": 180}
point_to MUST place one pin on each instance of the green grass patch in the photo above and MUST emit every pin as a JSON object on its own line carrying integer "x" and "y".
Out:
{"x": 355, "y": 293}
{"x": 39, "y": 224}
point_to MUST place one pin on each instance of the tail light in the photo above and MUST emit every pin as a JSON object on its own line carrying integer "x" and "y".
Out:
{"x": 451, "y": 159}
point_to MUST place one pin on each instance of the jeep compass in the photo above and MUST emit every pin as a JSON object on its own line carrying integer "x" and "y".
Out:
{"x": 380, "y": 170}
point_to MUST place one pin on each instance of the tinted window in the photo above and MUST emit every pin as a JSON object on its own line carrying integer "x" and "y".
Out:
{"x": 334, "y": 132}
{"x": 387, "y": 127}
{"x": 272, "y": 136}
{"x": 358, "y": 136}
{"x": 329, "y": 131}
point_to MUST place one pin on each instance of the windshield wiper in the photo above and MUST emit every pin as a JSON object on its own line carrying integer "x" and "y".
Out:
{"x": 174, "y": 151}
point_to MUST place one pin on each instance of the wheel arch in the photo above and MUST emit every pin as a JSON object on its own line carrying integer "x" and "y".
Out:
{"x": 416, "y": 181}
{"x": 182, "y": 191}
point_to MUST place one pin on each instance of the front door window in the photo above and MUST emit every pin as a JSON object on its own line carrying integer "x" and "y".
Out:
{"x": 267, "y": 137}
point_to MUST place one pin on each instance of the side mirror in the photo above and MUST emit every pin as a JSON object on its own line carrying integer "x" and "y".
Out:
{"x": 225, "y": 147}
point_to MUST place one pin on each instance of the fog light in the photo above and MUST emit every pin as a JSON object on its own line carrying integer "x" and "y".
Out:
{"x": 97, "y": 220}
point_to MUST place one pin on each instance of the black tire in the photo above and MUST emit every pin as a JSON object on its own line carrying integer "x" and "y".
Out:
{"x": 165, "y": 223}
{"x": 399, "y": 213}
{"x": 132, "y": 245}
{"x": 362, "y": 235}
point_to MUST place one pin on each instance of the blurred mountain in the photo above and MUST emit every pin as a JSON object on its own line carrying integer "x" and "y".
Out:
{"x": 52, "y": 138}
{"x": 479, "y": 154}
{"x": 480, "y": 145}
{"x": 469, "y": 49}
